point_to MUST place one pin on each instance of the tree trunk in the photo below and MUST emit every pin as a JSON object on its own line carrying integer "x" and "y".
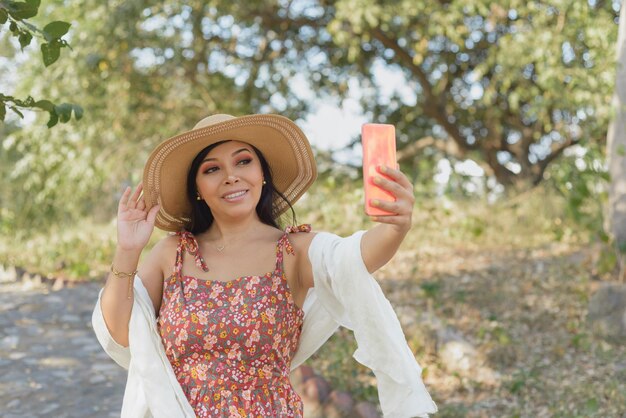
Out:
{"x": 616, "y": 152}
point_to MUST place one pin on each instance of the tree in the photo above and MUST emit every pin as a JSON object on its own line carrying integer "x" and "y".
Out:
{"x": 145, "y": 71}
{"x": 16, "y": 14}
{"x": 616, "y": 154}
{"x": 510, "y": 87}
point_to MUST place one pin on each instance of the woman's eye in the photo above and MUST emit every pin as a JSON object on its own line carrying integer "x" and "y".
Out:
{"x": 209, "y": 170}
{"x": 245, "y": 162}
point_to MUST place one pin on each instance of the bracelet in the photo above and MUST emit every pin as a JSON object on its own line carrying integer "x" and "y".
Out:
{"x": 121, "y": 274}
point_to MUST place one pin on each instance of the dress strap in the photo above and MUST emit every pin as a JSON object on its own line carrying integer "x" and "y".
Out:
{"x": 299, "y": 228}
{"x": 284, "y": 244}
{"x": 188, "y": 243}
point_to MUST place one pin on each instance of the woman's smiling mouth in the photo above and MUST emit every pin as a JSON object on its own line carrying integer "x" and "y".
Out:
{"x": 235, "y": 195}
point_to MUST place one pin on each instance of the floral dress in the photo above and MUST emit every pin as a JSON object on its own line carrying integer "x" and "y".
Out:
{"x": 231, "y": 343}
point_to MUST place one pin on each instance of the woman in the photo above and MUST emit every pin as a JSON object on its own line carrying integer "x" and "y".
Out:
{"x": 227, "y": 334}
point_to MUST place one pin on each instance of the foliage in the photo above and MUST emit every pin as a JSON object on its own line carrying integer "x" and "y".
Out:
{"x": 528, "y": 220}
{"x": 141, "y": 76}
{"x": 146, "y": 71}
{"x": 463, "y": 92}
{"x": 582, "y": 180}
{"x": 79, "y": 253}
{"x": 15, "y": 14}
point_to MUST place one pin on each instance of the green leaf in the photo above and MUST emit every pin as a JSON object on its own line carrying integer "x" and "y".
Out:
{"x": 54, "y": 119}
{"x": 56, "y": 29}
{"x": 3, "y": 111}
{"x": 16, "y": 110}
{"x": 3, "y": 16}
{"x": 50, "y": 53}
{"x": 64, "y": 111}
{"x": 25, "y": 38}
{"x": 13, "y": 28}
{"x": 46, "y": 105}
{"x": 26, "y": 10}
{"x": 78, "y": 112}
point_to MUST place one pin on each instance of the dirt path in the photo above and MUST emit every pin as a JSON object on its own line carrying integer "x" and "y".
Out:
{"x": 51, "y": 364}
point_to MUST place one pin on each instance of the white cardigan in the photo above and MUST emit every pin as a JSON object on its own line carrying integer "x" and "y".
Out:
{"x": 344, "y": 294}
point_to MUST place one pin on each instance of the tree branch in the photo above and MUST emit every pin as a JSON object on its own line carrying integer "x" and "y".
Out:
{"x": 556, "y": 151}
{"x": 410, "y": 151}
{"x": 433, "y": 105}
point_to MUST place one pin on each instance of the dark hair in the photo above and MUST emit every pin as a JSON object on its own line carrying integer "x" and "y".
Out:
{"x": 201, "y": 216}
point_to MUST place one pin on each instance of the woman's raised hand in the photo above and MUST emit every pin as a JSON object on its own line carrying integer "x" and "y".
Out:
{"x": 134, "y": 222}
{"x": 399, "y": 186}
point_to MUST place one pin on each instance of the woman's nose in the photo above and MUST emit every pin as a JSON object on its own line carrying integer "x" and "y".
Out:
{"x": 232, "y": 179}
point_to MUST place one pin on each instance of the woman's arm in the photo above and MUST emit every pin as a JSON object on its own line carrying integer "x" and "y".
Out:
{"x": 380, "y": 243}
{"x": 135, "y": 224}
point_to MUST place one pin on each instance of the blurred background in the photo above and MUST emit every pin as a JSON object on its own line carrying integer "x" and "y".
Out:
{"x": 508, "y": 121}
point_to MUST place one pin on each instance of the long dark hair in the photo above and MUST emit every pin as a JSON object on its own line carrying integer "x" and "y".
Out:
{"x": 201, "y": 216}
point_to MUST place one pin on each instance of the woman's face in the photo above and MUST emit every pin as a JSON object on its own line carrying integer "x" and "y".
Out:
{"x": 230, "y": 179}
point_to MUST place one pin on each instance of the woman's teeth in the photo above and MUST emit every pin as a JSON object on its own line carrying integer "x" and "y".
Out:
{"x": 234, "y": 195}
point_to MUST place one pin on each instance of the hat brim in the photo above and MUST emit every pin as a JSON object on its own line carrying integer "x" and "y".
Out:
{"x": 281, "y": 141}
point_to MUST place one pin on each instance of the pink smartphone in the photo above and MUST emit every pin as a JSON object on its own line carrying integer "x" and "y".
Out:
{"x": 379, "y": 148}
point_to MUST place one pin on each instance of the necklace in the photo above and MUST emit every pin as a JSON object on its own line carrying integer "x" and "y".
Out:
{"x": 220, "y": 248}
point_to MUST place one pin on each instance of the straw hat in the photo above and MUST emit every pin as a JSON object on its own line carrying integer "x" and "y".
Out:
{"x": 282, "y": 143}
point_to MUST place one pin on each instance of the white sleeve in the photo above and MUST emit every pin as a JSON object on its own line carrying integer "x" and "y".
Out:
{"x": 152, "y": 385}
{"x": 318, "y": 326}
{"x": 119, "y": 353}
{"x": 355, "y": 300}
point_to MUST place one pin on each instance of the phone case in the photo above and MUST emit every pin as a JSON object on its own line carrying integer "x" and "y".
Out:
{"x": 379, "y": 148}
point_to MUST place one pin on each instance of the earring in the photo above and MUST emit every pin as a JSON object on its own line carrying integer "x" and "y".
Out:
{"x": 264, "y": 182}
{"x": 198, "y": 197}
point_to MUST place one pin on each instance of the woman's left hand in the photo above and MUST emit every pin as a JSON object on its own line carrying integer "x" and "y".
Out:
{"x": 398, "y": 185}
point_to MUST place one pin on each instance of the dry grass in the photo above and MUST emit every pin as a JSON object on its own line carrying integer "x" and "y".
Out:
{"x": 524, "y": 311}
{"x": 514, "y": 279}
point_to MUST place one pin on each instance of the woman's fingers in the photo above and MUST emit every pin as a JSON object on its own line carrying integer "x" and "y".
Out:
{"x": 152, "y": 214}
{"x": 395, "y": 188}
{"x": 388, "y": 185}
{"x": 124, "y": 199}
{"x": 386, "y": 205}
{"x": 396, "y": 175}
{"x": 389, "y": 219}
{"x": 134, "y": 200}
{"x": 394, "y": 182}
{"x": 399, "y": 207}
{"x": 131, "y": 202}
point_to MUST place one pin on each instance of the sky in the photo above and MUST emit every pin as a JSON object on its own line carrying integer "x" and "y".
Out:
{"x": 331, "y": 126}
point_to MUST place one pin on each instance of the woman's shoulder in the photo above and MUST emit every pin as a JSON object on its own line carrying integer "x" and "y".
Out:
{"x": 160, "y": 255}
{"x": 300, "y": 237}
{"x": 166, "y": 244}
{"x": 157, "y": 266}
